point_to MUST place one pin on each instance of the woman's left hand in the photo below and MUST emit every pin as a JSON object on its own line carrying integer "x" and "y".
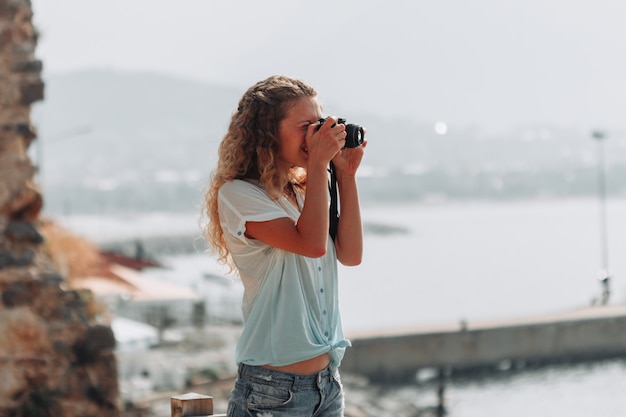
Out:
{"x": 347, "y": 160}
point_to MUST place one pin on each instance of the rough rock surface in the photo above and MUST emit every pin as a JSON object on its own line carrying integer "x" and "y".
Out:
{"x": 55, "y": 360}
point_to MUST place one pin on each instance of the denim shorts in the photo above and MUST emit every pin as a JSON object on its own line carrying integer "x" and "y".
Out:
{"x": 261, "y": 392}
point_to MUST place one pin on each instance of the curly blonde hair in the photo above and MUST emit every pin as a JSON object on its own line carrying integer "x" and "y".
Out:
{"x": 250, "y": 148}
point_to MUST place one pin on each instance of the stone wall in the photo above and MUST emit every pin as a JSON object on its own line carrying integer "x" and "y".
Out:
{"x": 55, "y": 360}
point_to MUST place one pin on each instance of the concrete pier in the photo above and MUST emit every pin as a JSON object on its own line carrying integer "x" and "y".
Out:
{"x": 396, "y": 354}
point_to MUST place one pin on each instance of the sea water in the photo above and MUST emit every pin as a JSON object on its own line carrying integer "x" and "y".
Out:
{"x": 426, "y": 264}
{"x": 476, "y": 261}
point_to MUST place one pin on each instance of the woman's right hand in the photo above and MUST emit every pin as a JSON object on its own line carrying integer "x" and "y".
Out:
{"x": 325, "y": 142}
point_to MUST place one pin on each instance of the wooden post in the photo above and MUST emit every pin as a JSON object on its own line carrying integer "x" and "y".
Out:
{"x": 192, "y": 404}
{"x": 441, "y": 406}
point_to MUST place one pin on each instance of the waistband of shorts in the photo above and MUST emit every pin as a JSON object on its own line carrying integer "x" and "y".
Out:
{"x": 279, "y": 378}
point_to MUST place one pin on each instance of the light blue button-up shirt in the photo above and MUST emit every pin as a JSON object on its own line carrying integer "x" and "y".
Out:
{"x": 291, "y": 305}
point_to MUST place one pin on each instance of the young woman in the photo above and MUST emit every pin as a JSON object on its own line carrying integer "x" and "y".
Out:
{"x": 268, "y": 211}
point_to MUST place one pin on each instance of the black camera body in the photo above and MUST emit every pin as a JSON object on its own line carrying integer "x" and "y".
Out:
{"x": 354, "y": 133}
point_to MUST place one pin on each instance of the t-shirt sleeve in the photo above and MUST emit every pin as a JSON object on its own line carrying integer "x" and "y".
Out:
{"x": 240, "y": 202}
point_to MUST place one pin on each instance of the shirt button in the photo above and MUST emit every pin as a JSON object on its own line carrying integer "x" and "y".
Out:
{"x": 319, "y": 268}
{"x": 324, "y": 312}
{"x": 326, "y": 334}
{"x": 239, "y": 233}
{"x": 321, "y": 289}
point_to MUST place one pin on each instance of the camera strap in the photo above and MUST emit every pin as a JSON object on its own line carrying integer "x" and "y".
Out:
{"x": 333, "y": 210}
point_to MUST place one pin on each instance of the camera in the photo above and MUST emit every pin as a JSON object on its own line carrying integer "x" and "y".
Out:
{"x": 354, "y": 133}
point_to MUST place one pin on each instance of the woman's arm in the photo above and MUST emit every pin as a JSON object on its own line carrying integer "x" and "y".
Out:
{"x": 349, "y": 240}
{"x": 309, "y": 236}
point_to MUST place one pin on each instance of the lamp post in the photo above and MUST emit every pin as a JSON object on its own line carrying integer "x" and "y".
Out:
{"x": 603, "y": 275}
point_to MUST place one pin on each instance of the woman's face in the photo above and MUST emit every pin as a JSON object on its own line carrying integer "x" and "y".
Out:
{"x": 292, "y": 132}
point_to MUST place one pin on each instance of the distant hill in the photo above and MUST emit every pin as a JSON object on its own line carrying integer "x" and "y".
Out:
{"x": 141, "y": 141}
{"x": 137, "y": 123}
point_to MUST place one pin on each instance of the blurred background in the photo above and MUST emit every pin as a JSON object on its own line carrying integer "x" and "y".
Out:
{"x": 494, "y": 183}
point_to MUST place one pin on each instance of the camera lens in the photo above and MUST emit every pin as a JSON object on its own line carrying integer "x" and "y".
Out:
{"x": 354, "y": 136}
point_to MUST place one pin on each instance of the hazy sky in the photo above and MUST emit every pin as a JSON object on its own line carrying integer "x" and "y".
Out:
{"x": 489, "y": 63}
